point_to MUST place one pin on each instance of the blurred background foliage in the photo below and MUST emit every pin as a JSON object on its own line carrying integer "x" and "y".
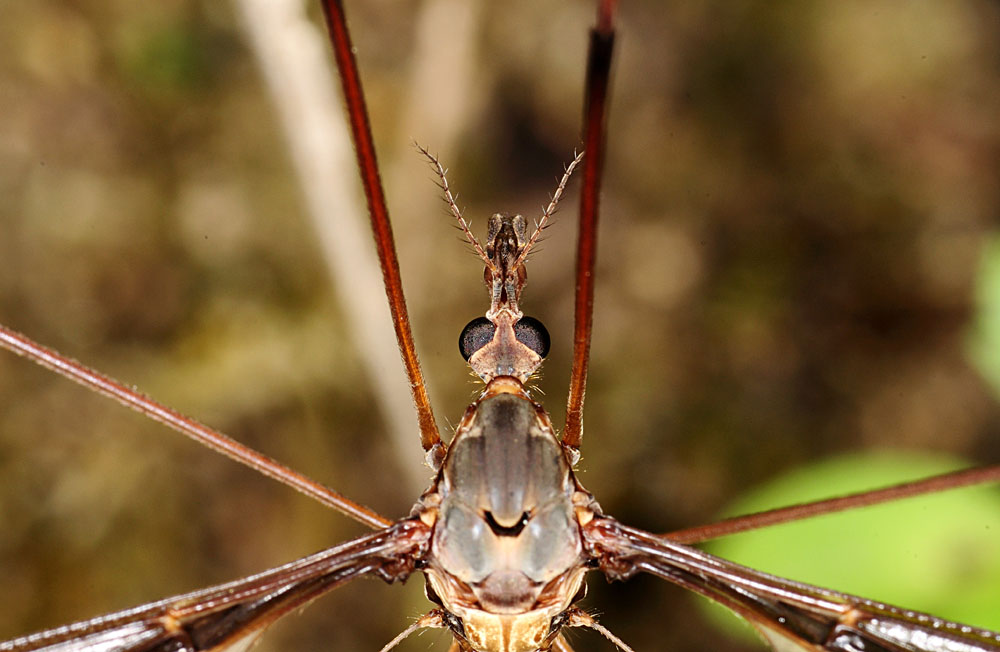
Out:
{"x": 794, "y": 266}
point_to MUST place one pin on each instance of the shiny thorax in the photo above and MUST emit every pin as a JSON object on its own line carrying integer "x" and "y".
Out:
{"x": 507, "y": 545}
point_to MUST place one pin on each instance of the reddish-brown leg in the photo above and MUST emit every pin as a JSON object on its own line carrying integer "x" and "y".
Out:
{"x": 595, "y": 112}
{"x": 935, "y": 484}
{"x": 364, "y": 146}
{"x": 131, "y": 398}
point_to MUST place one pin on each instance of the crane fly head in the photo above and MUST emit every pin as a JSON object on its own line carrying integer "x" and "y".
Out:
{"x": 505, "y": 342}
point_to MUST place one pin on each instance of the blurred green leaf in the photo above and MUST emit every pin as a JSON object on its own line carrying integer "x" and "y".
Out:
{"x": 934, "y": 553}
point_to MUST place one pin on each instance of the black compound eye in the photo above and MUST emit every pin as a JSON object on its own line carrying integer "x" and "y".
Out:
{"x": 476, "y": 334}
{"x": 531, "y": 333}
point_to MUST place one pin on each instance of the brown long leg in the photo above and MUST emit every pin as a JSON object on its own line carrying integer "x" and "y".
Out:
{"x": 199, "y": 432}
{"x": 954, "y": 480}
{"x": 595, "y": 110}
{"x": 365, "y": 148}
{"x": 292, "y": 54}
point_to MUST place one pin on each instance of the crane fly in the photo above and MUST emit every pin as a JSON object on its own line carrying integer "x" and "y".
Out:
{"x": 620, "y": 537}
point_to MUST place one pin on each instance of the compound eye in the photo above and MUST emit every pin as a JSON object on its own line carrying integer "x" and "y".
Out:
{"x": 531, "y": 333}
{"x": 476, "y": 334}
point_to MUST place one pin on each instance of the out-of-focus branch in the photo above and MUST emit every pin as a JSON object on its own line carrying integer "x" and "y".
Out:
{"x": 294, "y": 58}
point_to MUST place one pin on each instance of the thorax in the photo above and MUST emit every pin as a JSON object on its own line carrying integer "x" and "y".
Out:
{"x": 505, "y": 524}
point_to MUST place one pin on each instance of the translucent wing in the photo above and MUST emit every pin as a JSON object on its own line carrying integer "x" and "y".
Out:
{"x": 231, "y": 616}
{"x": 792, "y": 616}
